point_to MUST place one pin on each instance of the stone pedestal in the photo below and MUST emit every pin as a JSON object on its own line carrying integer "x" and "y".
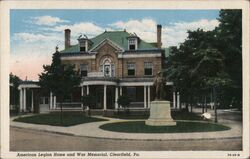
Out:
{"x": 160, "y": 114}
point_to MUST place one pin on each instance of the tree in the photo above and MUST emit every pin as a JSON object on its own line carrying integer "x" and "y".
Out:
{"x": 14, "y": 93}
{"x": 229, "y": 43}
{"x": 59, "y": 79}
{"x": 210, "y": 61}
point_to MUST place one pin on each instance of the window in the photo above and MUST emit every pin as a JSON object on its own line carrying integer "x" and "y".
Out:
{"x": 148, "y": 67}
{"x": 84, "y": 70}
{"x": 82, "y": 46}
{"x": 131, "y": 69}
{"x": 132, "y": 44}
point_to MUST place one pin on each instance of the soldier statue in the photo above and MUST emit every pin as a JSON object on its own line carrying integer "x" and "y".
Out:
{"x": 159, "y": 86}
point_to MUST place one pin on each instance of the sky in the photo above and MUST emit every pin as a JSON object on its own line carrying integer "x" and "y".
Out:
{"x": 34, "y": 33}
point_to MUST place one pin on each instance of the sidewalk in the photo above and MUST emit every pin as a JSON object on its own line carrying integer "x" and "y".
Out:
{"x": 92, "y": 130}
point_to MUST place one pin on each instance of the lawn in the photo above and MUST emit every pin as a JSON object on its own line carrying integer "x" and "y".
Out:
{"x": 69, "y": 119}
{"x": 176, "y": 115}
{"x": 181, "y": 127}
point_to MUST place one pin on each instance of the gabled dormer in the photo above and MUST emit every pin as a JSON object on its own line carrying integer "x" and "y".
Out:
{"x": 133, "y": 41}
{"x": 84, "y": 43}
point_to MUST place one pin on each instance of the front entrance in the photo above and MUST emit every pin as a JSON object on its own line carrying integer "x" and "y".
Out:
{"x": 98, "y": 92}
{"x": 44, "y": 105}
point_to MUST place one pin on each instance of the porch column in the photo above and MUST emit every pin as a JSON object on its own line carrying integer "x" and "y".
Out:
{"x": 32, "y": 102}
{"x": 87, "y": 89}
{"x": 120, "y": 90}
{"x": 145, "y": 96}
{"x": 116, "y": 97}
{"x": 174, "y": 100}
{"x": 54, "y": 103}
{"x": 178, "y": 100}
{"x": 21, "y": 100}
{"x": 24, "y": 100}
{"x": 149, "y": 97}
{"x": 50, "y": 101}
{"x": 104, "y": 98}
{"x": 81, "y": 95}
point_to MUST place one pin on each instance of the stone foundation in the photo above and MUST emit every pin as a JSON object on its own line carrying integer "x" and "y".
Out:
{"x": 160, "y": 114}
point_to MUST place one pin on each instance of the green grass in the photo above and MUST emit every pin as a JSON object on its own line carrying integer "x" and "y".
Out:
{"x": 69, "y": 119}
{"x": 181, "y": 127}
{"x": 176, "y": 115}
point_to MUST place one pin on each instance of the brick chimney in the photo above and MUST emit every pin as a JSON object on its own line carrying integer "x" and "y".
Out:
{"x": 159, "y": 43}
{"x": 67, "y": 38}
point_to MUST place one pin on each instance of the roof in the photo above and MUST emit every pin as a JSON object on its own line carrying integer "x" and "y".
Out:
{"x": 118, "y": 37}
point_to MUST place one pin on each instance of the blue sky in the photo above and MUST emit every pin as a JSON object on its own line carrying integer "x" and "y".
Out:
{"x": 35, "y": 33}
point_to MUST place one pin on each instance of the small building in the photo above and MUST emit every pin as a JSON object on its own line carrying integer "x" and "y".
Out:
{"x": 110, "y": 64}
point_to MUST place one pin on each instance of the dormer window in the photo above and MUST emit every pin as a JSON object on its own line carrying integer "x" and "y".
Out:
{"x": 83, "y": 47}
{"x": 132, "y": 43}
{"x": 84, "y": 43}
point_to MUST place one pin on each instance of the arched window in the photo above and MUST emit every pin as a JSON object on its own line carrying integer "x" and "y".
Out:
{"x": 107, "y": 67}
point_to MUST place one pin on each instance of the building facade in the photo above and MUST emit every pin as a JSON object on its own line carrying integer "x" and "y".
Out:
{"x": 111, "y": 64}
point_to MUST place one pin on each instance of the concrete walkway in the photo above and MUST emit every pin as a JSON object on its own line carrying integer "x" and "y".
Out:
{"x": 93, "y": 130}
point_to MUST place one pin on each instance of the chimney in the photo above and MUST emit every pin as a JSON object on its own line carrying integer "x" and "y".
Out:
{"x": 159, "y": 44}
{"x": 67, "y": 38}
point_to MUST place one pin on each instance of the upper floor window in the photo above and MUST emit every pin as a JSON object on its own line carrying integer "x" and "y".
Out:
{"x": 107, "y": 67}
{"x": 84, "y": 70}
{"x": 148, "y": 68}
{"x": 132, "y": 44}
{"x": 131, "y": 69}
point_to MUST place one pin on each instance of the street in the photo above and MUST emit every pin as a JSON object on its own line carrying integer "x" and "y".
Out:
{"x": 32, "y": 140}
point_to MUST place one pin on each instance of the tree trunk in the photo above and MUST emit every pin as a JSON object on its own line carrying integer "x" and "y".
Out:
{"x": 215, "y": 106}
{"x": 205, "y": 103}
{"x": 203, "y": 107}
{"x": 61, "y": 112}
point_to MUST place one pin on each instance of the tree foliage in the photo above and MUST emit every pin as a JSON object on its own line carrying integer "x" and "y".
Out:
{"x": 14, "y": 92}
{"x": 209, "y": 59}
{"x": 58, "y": 78}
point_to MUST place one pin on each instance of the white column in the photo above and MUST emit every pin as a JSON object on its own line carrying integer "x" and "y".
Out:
{"x": 145, "y": 96}
{"x": 174, "y": 100}
{"x": 178, "y": 100}
{"x": 54, "y": 102}
{"x": 21, "y": 99}
{"x": 24, "y": 100}
{"x": 87, "y": 89}
{"x": 105, "y": 99}
{"x": 149, "y": 97}
{"x": 32, "y": 102}
{"x": 50, "y": 101}
{"x": 81, "y": 95}
{"x": 120, "y": 90}
{"x": 116, "y": 97}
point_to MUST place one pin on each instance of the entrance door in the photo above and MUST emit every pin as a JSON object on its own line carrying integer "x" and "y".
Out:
{"x": 44, "y": 105}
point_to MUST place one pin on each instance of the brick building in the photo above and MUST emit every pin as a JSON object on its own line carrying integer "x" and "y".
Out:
{"x": 111, "y": 64}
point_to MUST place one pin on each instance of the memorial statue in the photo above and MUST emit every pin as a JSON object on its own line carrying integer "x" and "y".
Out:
{"x": 160, "y": 112}
{"x": 159, "y": 86}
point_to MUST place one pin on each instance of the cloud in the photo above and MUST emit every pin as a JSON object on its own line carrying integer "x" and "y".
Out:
{"x": 176, "y": 33}
{"x": 32, "y": 37}
{"x": 172, "y": 34}
{"x": 88, "y": 28}
{"x": 145, "y": 28}
{"x": 47, "y": 20}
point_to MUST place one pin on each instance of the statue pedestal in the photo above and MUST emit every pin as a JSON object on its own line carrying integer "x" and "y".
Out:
{"x": 160, "y": 114}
